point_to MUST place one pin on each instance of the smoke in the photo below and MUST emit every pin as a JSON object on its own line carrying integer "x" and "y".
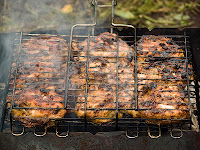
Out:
{"x": 31, "y": 15}
{"x": 6, "y": 52}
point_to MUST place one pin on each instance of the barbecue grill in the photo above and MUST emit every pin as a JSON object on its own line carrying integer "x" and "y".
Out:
{"x": 187, "y": 40}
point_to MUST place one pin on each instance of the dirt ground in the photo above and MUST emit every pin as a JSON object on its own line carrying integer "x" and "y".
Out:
{"x": 29, "y": 15}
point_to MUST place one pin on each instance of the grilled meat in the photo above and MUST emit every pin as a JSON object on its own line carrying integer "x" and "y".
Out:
{"x": 109, "y": 73}
{"x": 101, "y": 79}
{"x": 96, "y": 101}
{"x": 161, "y": 73}
{"x": 39, "y": 86}
{"x": 162, "y": 80}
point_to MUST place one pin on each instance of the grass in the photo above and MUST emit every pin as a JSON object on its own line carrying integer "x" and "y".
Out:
{"x": 157, "y": 13}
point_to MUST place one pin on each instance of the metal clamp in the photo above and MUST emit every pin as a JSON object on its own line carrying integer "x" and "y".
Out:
{"x": 153, "y": 136}
{"x": 132, "y": 137}
{"x": 45, "y": 132}
{"x": 93, "y": 3}
{"x": 61, "y": 136}
{"x": 17, "y": 134}
{"x": 176, "y": 137}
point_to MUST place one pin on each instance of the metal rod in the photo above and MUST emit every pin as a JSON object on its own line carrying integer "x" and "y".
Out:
{"x": 86, "y": 86}
{"x": 120, "y": 119}
{"x": 104, "y": 6}
{"x": 16, "y": 71}
{"x": 135, "y": 72}
{"x": 188, "y": 88}
{"x": 95, "y": 13}
{"x": 5, "y": 6}
{"x": 117, "y": 80}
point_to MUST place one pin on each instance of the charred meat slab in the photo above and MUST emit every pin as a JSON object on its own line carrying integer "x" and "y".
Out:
{"x": 36, "y": 92}
{"x": 109, "y": 70}
{"x": 162, "y": 80}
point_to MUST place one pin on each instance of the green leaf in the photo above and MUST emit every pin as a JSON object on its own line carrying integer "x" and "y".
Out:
{"x": 181, "y": 17}
{"x": 186, "y": 17}
{"x": 124, "y": 14}
{"x": 178, "y": 17}
{"x": 148, "y": 22}
{"x": 184, "y": 22}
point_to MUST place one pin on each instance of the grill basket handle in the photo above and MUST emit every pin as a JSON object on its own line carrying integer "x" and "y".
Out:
{"x": 130, "y": 136}
{"x": 61, "y": 136}
{"x": 45, "y": 132}
{"x": 17, "y": 134}
{"x": 176, "y": 137}
{"x": 115, "y": 2}
{"x": 154, "y": 136}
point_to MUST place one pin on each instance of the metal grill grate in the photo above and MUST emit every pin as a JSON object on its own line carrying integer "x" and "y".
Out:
{"x": 133, "y": 126}
{"x": 98, "y": 90}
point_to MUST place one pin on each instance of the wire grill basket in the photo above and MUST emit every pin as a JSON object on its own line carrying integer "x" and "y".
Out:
{"x": 82, "y": 76}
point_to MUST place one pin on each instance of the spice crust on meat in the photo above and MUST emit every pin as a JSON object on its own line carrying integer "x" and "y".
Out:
{"x": 39, "y": 83}
{"x": 162, "y": 78}
{"x": 109, "y": 58}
